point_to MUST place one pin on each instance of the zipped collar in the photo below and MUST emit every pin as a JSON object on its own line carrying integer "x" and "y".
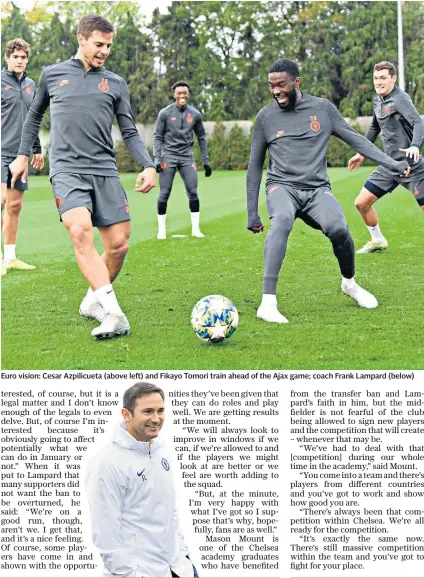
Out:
{"x": 12, "y": 74}
{"x": 383, "y": 98}
{"x": 79, "y": 63}
{"x": 126, "y": 440}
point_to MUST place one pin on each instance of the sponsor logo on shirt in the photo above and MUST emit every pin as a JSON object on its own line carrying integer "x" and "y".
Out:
{"x": 280, "y": 133}
{"x": 63, "y": 82}
{"x": 387, "y": 109}
{"x": 189, "y": 118}
{"x": 141, "y": 475}
{"x": 165, "y": 465}
{"x": 28, "y": 89}
{"x": 416, "y": 192}
{"x": 315, "y": 126}
{"x": 173, "y": 118}
{"x": 104, "y": 85}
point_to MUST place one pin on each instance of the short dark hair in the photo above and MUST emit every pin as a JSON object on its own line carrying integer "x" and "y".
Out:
{"x": 285, "y": 65}
{"x": 385, "y": 64}
{"x": 17, "y": 44}
{"x": 138, "y": 390}
{"x": 180, "y": 83}
{"x": 92, "y": 22}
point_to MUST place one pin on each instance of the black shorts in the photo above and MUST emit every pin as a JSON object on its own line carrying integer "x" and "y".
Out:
{"x": 6, "y": 175}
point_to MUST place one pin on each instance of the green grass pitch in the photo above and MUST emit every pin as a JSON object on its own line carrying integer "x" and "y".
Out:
{"x": 162, "y": 280}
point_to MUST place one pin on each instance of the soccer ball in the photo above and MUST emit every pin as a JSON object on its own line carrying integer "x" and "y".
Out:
{"x": 214, "y": 318}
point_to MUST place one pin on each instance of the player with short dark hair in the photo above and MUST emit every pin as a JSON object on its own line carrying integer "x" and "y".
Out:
{"x": 401, "y": 128}
{"x": 173, "y": 150}
{"x": 17, "y": 94}
{"x": 85, "y": 97}
{"x": 131, "y": 494}
{"x": 296, "y": 128}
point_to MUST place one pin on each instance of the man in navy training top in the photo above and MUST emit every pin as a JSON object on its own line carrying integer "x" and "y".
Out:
{"x": 296, "y": 128}
{"x": 84, "y": 98}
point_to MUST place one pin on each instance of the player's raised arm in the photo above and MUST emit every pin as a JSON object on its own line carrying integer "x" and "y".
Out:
{"x": 254, "y": 175}
{"x": 346, "y": 133}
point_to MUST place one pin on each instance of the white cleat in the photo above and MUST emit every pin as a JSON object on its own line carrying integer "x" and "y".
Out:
{"x": 112, "y": 326}
{"x": 373, "y": 246}
{"x": 93, "y": 310}
{"x": 197, "y": 234}
{"x": 363, "y": 298}
{"x": 270, "y": 314}
{"x": 161, "y": 235}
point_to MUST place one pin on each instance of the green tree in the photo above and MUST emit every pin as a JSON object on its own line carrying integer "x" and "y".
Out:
{"x": 218, "y": 147}
{"x": 238, "y": 148}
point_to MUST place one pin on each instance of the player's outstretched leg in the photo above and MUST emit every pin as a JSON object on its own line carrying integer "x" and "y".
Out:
{"x": 274, "y": 253}
{"x": 364, "y": 203}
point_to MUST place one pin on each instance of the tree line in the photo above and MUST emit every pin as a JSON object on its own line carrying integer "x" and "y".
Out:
{"x": 224, "y": 49}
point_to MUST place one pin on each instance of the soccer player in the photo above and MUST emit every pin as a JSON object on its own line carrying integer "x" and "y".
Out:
{"x": 173, "y": 150}
{"x": 84, "y": 98}
{"x": 17, "y": 94}
{"x": 296, "y": 128}
{"x": 401, "y": 128}
{"x": 132, "y": 497}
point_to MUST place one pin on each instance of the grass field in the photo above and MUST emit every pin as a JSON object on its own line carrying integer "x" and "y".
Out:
{"x": 162, "y": 280}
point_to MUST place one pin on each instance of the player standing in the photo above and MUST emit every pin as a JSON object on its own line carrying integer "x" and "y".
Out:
{"x": 401, "y": 128}
{"x": 17, "y": 94}
{"x": 173, "y": 150}
{"x": 84, "y": 98}
{"x": 296, "y": 129}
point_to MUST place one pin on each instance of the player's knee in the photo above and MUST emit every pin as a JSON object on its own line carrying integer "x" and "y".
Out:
{"x": 282, "y": 222}
{"x": 337, "y": 232}
{"x": 362, "y": 204}
{"x": 164, "y": 195}
{"x": 80, "y": 233}
{"x": 14, "y": 206}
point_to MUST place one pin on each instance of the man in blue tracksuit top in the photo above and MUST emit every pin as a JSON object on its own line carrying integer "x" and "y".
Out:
{"x": 84, "y": 99}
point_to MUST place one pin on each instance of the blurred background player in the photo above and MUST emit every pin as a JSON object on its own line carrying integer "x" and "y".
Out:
{"x": 17, "y": 94}
{"x": 173, "y": 150}
{"x": 296, "y": 128}
{"x": 131, "y": 494}
{"x": 83, "y": 170}
{"x": 401, "y": 128}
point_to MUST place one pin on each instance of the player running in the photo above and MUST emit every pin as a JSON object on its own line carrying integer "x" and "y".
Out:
{"x": 296, "y": 129}
{"x": 401, "y": 128}
{"x": 173, "y": 150}
{"x": 85, "y": 97}
{"x": 17, "y": 94}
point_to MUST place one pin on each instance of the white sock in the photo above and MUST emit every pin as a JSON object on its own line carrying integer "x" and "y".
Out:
{"x": 376, "y": 235}
{"x": 162, "y": 222}
{"x": 195, "y": 221}
{"x": 90, "y": 297}
{"x": 349, "y": 283}
{"x": 269, "y": 300}
{"x": 9, "y": 253}
{"x": 107, "y": 299}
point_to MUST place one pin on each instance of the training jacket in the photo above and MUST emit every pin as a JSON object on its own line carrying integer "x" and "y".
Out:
{"x": 297, "y": 141}
{"x": 16, "y": 99}
{"x": 134, "y": 521}
{"x": 398, "y": 123}
{"x": 173, "y": 138}
{"x": 83, "y": 105}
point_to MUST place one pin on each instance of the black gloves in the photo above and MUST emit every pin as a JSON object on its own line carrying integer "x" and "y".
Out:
{"x": 208, "y": 170}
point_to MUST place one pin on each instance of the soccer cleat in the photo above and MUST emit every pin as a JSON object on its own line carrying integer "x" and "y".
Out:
{"x": 3, "y": 268}
{"x": 161, "y": 234}
{"x": 373, "y": 246}
{"x": 112, "y": 326}
{"x": 19, "y": 265}
{"x": 197, "y": 234}
{"x": 363, "y": 298}
{"x": 270, "y": 314}
{"x": 93, "y": 310}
